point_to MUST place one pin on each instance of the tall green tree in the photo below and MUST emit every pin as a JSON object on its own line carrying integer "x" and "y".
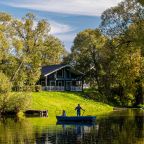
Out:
{"x": 89, "y": 54}
{"x": 125, "y": 23}
{"x": 141, "y": 2}
{"x": 53, "y": 51}
{"x": 5, "y": 50}
{"x": 114, "y": 56}
{"x": 25, "y": 47}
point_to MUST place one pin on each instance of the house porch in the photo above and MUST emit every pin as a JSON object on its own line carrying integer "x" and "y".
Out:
{"x": 63, "y": 85}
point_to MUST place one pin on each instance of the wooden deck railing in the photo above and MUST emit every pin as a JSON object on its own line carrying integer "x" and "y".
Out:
{"x": 76, "y": 88}
{"x": 61, "y": 88}
{"x": 54, "y": 88}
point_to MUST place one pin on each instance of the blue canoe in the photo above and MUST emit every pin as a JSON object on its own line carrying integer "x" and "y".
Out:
{"x": 76, "y": 118}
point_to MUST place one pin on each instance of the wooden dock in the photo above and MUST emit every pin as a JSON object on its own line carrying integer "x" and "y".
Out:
{"x": 41, "y": 113}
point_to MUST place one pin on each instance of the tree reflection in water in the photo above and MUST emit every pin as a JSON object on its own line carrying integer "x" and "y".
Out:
{"x": 123, "y": 127}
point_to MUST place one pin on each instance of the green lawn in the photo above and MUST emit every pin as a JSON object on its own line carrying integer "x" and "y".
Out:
{"x": 55, "y": 102}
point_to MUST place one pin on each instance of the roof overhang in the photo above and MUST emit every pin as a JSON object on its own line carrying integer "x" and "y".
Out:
{"x": 62, "y": 68}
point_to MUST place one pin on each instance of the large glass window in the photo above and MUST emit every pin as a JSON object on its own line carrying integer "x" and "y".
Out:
{"x": 60, "y": 74}
{"x": 78, "y": 83}
{"x": 52, "y": 83}
{"x": 59, "y": 83}
{"x": 68, "y": 74}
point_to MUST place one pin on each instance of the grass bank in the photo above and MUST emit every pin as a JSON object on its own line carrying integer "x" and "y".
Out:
{"x": 55, "y": 102}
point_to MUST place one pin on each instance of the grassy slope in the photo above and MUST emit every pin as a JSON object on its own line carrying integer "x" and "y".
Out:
{"x": 55, "y": 102}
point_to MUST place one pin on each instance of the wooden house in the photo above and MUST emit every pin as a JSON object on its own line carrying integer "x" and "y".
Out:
{"x": 61, "y": 78}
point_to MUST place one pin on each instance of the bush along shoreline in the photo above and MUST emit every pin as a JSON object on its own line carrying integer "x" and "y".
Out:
{"x": 12, "y": 102}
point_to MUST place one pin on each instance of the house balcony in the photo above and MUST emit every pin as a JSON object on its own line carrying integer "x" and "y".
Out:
{"x": 53, "y": 88}
{"x": 76, "y": 88}
{"x": 62, "y": 88}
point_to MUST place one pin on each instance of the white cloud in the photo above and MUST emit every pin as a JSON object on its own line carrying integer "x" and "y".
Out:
{"x": 78, "y": 7}
{"x": 66, "y": 37}
{"x": 58, "y": 28}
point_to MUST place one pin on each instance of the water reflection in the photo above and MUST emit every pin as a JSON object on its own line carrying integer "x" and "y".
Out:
{"x": 12, "y": 130}
{"x": 78, "y": 131}
{"x": 121, "y": 127}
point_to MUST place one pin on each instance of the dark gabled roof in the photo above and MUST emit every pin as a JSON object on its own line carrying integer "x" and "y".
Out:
{"x": 51, "y": 68}
{"x": 47, "y": 70}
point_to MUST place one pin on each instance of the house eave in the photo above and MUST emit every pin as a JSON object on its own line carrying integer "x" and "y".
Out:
{"x": 56, "y": 70}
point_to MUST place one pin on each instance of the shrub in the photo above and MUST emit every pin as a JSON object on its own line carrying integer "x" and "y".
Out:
{"x": 32, "y": 88}
{"x": 38, "y": 88}
{"x": 5, "y": 88}
{"x": 19, "y": 101}
{"x": 12, "y": 101}
{"x": 28, "y": 88}
{"x": 5, "y": 84}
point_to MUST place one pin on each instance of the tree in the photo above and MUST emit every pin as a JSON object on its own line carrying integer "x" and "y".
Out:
{"x": 5, "y": 88}
{"x": 12, "y": 101}
{"x": 5, "y": 20}
{"x": 116, "y": 20}
{"x": 53, "y": 52}
{"x": 125, "y": 24}
{"x": 26, "y": 47}
{"x": 114, "y": 56}
{"x": 89, "y": 55}
{"x": 141, "y": 2}
{"x": 19, "y": 101}
{"x": 109, "y": 67}
{"x": 28, "y": 42}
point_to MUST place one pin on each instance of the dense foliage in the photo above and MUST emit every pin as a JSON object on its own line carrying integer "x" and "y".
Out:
{"x": 11, "y": 101}
{"x": 112, "y": 57}
{"x": 5, "y": 88}
{"x": 25, "y": 46}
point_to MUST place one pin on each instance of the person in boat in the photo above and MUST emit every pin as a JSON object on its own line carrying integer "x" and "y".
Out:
{"x": 78, "y": 109}
{"x": 63, "y": 113}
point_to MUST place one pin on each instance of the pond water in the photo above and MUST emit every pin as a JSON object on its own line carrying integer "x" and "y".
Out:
{"x": 119, "y": 127}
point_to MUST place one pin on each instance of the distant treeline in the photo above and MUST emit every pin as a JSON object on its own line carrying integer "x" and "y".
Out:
{"x": 112, "y": 56}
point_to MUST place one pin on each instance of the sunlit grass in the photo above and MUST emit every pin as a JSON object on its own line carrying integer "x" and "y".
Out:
{"x": 55, "y": 102}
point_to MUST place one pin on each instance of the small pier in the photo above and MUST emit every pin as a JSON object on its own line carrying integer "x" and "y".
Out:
{"x": 41, "y": 113}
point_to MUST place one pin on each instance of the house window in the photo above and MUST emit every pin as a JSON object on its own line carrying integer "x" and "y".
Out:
{"x": 60, "y": 74}
{"x": 78, "y": 83}
{"x": 52, "y": 83}
{"x": 68, "y": 74}
{"x": 59, "y": 83}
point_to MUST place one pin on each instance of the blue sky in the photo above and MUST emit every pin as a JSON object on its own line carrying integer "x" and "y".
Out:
{"x": 66, "y": 17}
